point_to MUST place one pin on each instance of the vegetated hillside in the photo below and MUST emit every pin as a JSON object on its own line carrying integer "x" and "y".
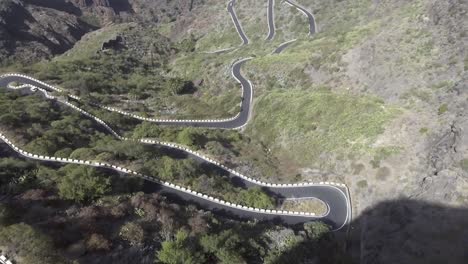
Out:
{"x": 376, "y": 99}
{"x": 400, "y": 66}
{"x": 59, "y": 214}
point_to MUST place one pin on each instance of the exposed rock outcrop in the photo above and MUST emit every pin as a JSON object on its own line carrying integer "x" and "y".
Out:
{"x": 29, "y": 32}
{"x": 34, "y": 29}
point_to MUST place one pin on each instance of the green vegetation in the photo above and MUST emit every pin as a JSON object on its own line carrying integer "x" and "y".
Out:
{"x": 15, "y": 175}
{"x": 316, "y": 230}
{"x": 225, "y": 246}
{"x": 318, "y": 123}
{"x": 423, "y": 130}
{"x": 311, "y": 205}
{"x": 178, "y": 234}
{"x": 362, "y": 184}
{"x": 31, "y": 245}
{"x": 50, "y": 135}
{"x": 180, "y": 251}
{"x": 442, "y": 109}
{"x": 236, "y": 245}
{"x": 82, "y": 183}
{"x": 464, "y": 164}
{"x": 465, "y": 62}
{"x": 163, "y": 72}
{"x": 256, "y": 197}
{"x": 381, "y": 154}
{"x": 133, "y": 233}
{"x": 442, "y": 84}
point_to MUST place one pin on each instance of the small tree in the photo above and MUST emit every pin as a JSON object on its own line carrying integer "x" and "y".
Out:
{"x": 227, "y": 246}
{"x": 133, "y": 233}
{"x": 82, "y": 184}
{"x": 256, "y": 197}
{"x": 186, "y": 137}
{"x": 316, "y": 230}
{"x": 180, "y": 251}
{"x": 29, "y": 244}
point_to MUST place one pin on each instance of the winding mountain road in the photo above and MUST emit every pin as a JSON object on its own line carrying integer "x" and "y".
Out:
{"x": 240, "y": 31}
{"x": 309, "y": 15}
{"x": 283, "y": 46}
{"x": 271, "y": 20}
{"x": 236, "y": 122}
{"x": 334, "y": 195}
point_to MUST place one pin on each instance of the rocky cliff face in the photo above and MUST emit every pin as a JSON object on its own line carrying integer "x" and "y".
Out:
{"x": 29, "y": 31}
{"x": 35, "y": 29}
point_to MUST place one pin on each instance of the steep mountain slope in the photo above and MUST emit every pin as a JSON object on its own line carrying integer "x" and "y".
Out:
{"x": 410, "y": 57}
{"x": 29, "y": 31}
{"x": 376, "y": 99}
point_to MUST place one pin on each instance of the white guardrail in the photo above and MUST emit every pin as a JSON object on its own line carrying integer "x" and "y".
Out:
{"x": 4, "y": 260}
{"x": 155, "y": 142}
{"x": 149, "y": 178}
{"x": 204, "y": 157}
{"x": 182, "y": 148}
{"x": 112, "y": 109}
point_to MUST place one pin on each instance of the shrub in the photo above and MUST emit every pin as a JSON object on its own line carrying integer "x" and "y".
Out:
{"x": 83, "y": 153}
{"x": 10, "y": 167}
{"x": 82, "y": 184}
{"x": 227, "y": 246}
{"x": 316, "y": 230}
{"x": 442, "y": 109}
{"x": 97, "y": 242}
{"x": 133, "y": 233}
{"x": 180, "y": 251}
{"x": 464, "y": 164}
{"x": 256, "y": 197}
{"x": 362, "y": 184}
{"x": 31, "y": 245}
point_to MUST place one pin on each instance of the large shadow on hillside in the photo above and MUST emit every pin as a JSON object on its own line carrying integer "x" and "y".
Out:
{"x": 404, "y": 231}
{"x": 410, "y": 231}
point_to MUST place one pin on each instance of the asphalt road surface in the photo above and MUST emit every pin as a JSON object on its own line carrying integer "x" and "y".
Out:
{"x": 271, "y": 19}
{"x": 282, "y": 47}
{"x": 336, "y": 198}
{"x": 310, "y": 16}
{"x": 239, "y": 121}
{"x": 240, "y": 31}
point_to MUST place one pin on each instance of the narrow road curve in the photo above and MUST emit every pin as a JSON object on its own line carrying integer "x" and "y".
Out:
{"x": 218, "y": 51}
{"x": 271, "y": 20}
{"x": 236, "y": 122}
{"x": 309, "y": 15}
{"x": 333, "y": 196}
{"x": 283, "y": 46}
{"x": 240, "y": 31}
